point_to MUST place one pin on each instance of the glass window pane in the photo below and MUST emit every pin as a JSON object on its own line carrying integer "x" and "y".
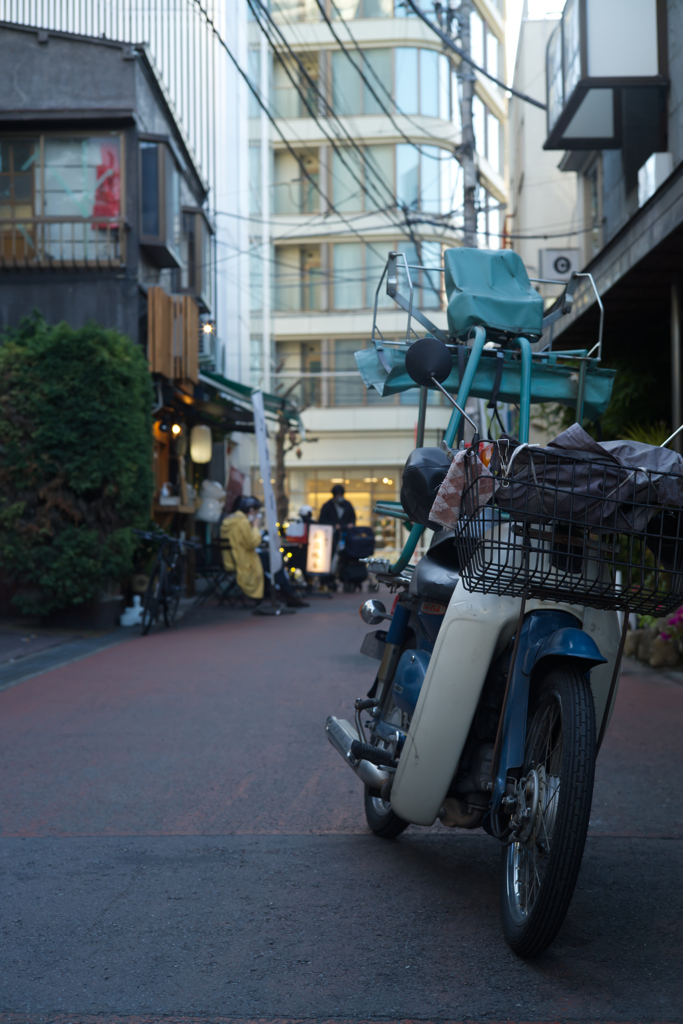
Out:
{"x": 444, "y": 88}
{"x": 495, "y": 226}
{"x": 493, "y": 141}
{"x": 407, "y": 158}
{"x": 346, "y": 175}
{"x": 347, "y": 262}
{"x": 287, "y": 278}
{"x": 379, "y": 161}
{"x": 173, "y": 211}
{"x": 256, "y": 282}
{"x": 347, "y": 95}
{"x": 455, "y": 101}
{"x": 452, "y": 197}
{"x": 346, "y": 9}
{"x": 378, "y": 8}
{"x": 149, "y": 161}
{"x": 410, "y": 252}
{"x": 347, "y": 390}
{"x": 431, "y": 283}
{"x": 255, "y": 179}
{"x": 479, "y": 124}
{"x": 477, "y": 38}
{"x": 429, "y": 83}
{"x": 375, "y": 261}
{"x": 378, "y": 74}
{"x": 430, "y": 175}
{"x": 286, "y": 100}
{"x": 311, "y": 277}
{"x": 492, "y": 46}
{"x": 406, "y": 80}
{"x": 254, "y": 64}
{"x": 309, "y": 201}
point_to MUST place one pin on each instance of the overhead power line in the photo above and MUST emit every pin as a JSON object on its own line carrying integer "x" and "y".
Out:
{"x": 313, "y": 85}
{"x": 466, "y": 57}
{"x": 359, "y": 69}
{"x": 257, "y": 96}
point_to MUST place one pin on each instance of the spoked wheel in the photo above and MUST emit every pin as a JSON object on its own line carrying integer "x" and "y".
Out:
{"x": 171, "y": 603}
{"x": 540, "y": 869}
{"x": 151, "y": 600}
{"x": 378, "y": 813}
{"x": 380, "y": 817}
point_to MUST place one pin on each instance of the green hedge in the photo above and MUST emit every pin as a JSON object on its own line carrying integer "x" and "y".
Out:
{"x": 75, "y": 460}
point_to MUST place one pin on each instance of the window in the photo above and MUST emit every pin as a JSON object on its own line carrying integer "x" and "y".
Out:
{"x": 295, "y": 10}
{"x": 357, "y": 268}
{"x": 254, "y": 65}
{"x": 61, "y": 198}
{"x": 489, "y": 220}
{"x": 349, "y": 9}
{"x": 196, "y": 250}
{"x": 348, "y": 270}
{"x": 487, "y": 134}
{"x": 484, "y": 45}
{"x": 255, "y": 179}
{"x": 362, "y": 182}
{"x": 295, "y": 84}
{"x": 160, "y": 204}
{"x": 425, "y": 179}
{"x": 293, "y": 191}
{"x": 418, "y": 81}
{"x": 298, "y": 278}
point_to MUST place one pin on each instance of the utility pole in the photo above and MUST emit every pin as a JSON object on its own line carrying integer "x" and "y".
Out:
{"x": 465, "y": 152}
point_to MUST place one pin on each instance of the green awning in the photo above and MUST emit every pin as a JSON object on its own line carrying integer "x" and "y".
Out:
{"x": 273, "y": 404}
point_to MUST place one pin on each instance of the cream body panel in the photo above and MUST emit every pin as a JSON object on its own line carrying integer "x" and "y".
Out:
{"x": 476, "y": 628}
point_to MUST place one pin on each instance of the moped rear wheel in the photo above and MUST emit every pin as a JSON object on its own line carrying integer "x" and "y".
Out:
{"x": 540, "y": 869}
{"x": 380, "y": 817}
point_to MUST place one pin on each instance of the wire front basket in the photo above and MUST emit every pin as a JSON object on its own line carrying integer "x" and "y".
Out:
{"x": 573, "y": 528}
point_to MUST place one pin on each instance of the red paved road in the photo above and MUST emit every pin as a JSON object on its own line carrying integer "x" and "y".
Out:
{"x": 180, "y": 839}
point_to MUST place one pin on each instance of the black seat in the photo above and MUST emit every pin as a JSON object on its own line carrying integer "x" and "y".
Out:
{"x": 437, "y": 572}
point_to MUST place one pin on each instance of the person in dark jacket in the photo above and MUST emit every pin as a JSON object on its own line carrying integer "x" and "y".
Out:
{"x": 338, "y": 513}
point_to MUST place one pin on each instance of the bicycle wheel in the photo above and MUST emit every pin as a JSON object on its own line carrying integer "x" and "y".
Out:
{"x": 152, "y": 598}
{"x": 540, "y": 869}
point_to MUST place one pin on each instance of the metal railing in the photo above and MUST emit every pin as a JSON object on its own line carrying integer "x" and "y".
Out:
{"x": 39, "y": 243}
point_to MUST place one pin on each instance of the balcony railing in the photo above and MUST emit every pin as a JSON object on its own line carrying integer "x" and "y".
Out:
{"x": 40, "y": 243}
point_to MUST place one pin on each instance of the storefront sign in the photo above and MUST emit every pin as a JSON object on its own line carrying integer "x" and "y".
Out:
{"x": 319, "y": 558}
{"x": 269, "y": 505}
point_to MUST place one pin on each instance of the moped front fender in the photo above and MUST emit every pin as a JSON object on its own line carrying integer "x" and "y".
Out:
{"x": 547, "y": 636}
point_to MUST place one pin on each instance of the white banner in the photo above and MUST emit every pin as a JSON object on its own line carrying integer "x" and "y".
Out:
{"x": 319, "y": 558}
{"x": 270, "y": 507}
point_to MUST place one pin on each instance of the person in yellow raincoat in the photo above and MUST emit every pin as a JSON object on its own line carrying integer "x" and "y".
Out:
{"x": 242, "y": 533}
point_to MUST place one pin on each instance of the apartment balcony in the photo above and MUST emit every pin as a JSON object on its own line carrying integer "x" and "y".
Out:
{"x": 48, "y": 243}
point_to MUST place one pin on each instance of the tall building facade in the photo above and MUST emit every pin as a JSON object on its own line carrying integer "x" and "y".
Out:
{"x": 356, "y": 160}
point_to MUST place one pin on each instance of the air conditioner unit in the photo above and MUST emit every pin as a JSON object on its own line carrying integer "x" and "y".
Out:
{"x": 558, "y": 264}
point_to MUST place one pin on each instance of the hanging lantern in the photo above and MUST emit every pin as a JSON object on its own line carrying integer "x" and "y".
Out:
{"x": 200, "y": 444}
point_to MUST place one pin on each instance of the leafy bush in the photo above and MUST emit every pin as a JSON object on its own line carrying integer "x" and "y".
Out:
{"x": 75, "y": 460}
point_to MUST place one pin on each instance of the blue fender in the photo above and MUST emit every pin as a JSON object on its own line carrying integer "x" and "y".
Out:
{"x": 544, "y": 635}
{"x": 567, "y": 642}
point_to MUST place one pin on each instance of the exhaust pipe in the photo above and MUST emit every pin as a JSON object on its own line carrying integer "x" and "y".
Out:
{"x": 341, "y": 735}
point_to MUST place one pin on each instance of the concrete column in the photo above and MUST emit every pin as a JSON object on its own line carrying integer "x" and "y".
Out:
{"x": 676, "y": 410}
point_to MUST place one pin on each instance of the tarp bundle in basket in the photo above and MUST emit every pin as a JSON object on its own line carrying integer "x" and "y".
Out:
{"x": 610, "y": 485}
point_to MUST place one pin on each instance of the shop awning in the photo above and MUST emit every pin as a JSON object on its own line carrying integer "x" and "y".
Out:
{"x": 241, "y": 393}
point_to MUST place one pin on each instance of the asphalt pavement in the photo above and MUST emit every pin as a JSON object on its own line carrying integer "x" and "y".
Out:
{"x": 181, "y": 844}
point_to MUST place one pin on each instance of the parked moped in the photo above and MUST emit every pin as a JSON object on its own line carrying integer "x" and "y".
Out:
{"x": 500, "y": 663}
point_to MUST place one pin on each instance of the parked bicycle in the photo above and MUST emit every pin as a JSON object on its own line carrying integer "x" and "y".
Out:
{"x": 166, "y": 582}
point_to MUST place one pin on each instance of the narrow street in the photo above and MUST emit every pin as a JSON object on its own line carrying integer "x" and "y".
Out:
{"x": 180, "y": 843}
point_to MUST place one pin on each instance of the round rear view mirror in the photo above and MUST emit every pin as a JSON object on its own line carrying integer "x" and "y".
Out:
{"x": 372, "y": 612}
{"x": 427, "y": 358}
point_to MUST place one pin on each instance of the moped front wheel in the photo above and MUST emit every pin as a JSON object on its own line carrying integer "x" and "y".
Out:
{"x": 541, "y": 866}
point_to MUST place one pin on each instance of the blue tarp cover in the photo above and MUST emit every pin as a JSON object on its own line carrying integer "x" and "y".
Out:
{"x": 550, "y": 382}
